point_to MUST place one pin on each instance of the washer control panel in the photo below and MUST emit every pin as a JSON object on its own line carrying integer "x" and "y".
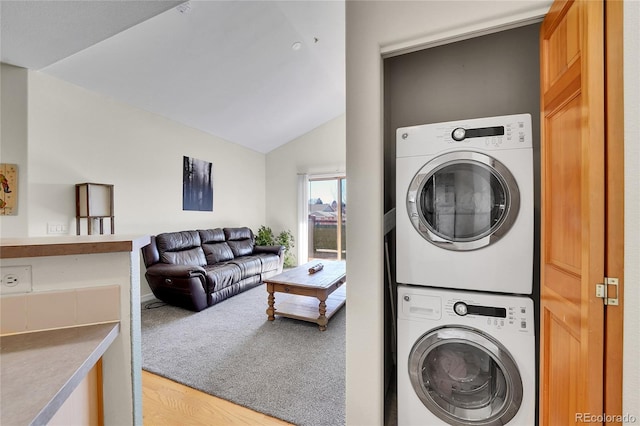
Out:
{"x": 515, "y": 316}
{"x": 480, "y": 310}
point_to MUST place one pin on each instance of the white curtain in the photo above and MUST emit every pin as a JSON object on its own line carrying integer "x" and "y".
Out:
{"x": 303, "y": 219}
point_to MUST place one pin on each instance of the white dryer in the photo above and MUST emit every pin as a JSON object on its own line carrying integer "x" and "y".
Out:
{"x": 465, "y": 358}
{"x": 464, "y": 204}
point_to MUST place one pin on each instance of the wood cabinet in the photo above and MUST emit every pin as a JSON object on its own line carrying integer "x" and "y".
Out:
{"x": 84, "y": 405}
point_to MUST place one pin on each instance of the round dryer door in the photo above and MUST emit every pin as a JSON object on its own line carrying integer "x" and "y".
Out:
{"x": 463, "y": 200}
{"x": 465, "y": 377}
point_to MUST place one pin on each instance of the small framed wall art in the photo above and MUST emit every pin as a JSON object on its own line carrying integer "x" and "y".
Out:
{"x": 9, "y": 189}
{"x": 197, "y": 184}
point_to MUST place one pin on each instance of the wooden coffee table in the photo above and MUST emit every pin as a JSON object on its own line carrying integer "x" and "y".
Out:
{"x": 325, "y": 286}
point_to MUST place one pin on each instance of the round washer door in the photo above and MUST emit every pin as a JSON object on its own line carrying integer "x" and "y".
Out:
{"x": 463, "y": 200}
{"x": 465, "y": 377}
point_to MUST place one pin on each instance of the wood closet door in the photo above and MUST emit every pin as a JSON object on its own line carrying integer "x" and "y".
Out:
{"x": 573, "y": 211}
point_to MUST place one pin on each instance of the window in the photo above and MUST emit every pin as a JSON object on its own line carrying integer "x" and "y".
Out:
{"x": 326, "y": 218}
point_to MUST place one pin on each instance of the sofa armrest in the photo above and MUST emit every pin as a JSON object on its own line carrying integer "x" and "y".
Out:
{"x": 277, "y": 250}
{"x": 180, "y": 285}
{"x": 150, "y": 253}
{"x": 176, "y": 271}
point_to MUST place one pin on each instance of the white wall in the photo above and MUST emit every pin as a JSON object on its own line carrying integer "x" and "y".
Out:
{"x": 78, "y": 136}
{"x": 13, "y": 142}
{"x": 321, "y": 151}
{"x": 389, "y": 26}
{"x": 631, "y": 367}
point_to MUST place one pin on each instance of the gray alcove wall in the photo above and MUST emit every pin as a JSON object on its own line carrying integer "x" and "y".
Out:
{"x": 489, "y": 75}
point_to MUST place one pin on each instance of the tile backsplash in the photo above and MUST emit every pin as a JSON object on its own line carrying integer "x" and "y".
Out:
{"x": 28, "y": 312}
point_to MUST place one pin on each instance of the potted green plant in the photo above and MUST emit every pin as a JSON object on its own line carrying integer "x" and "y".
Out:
{"x": 266, "y": 237}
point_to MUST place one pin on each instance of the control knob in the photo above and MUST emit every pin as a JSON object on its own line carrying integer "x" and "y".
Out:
{"x": 460, "y": 308}
{"x": 458, "y": 134}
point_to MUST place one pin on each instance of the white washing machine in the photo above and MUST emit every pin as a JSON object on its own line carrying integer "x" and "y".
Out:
{"x": 464, "y": 204}
{"x": 465, "y": 358}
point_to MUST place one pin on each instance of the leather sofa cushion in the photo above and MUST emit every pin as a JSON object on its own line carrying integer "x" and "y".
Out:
{"x": 194, "y": 256}
{"x": 174, "y": 241}
{"x": 212, "y": 235}
{"x": 221, "y": 276}
{"x": 240, "y": 240}
{"x": 249, "y": 265}
{"x": 241, "y": 247}
{"x": 270, "y": 262}
{"x": 243, "y": 233}
{"x": 218, "y": 252}
{"x": 181, "y": 248}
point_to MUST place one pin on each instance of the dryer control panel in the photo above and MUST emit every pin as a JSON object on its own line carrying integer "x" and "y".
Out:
{"x": 486, "y": 134}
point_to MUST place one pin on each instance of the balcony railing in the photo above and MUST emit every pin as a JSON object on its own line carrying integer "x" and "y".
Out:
{"x": 323, "y": 238}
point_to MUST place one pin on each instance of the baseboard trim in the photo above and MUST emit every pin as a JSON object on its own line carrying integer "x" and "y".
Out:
{"x": 147, "y": 297}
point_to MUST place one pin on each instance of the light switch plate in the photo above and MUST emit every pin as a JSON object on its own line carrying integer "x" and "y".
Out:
{"x": 57, "y": 228}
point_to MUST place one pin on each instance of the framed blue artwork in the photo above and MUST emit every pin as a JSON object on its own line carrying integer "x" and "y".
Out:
{"x": 197, "y": 184}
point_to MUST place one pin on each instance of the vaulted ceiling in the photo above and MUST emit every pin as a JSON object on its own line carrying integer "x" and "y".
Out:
{"x": 255, "y": 73}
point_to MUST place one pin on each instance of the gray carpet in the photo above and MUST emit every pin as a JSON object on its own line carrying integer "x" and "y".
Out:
{"x": 286, "y": 368}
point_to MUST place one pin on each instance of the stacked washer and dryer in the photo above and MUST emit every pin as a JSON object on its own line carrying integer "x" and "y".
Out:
{"x": 464, "y": 267}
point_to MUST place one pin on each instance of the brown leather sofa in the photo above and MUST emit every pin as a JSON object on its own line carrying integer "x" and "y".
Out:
{"x": 197, "y": 269}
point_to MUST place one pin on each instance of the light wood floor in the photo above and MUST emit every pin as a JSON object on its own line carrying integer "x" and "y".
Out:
{"x": 167, "y": 403}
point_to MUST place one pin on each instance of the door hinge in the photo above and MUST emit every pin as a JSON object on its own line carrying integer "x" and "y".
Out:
{"x": 603, "y": 291}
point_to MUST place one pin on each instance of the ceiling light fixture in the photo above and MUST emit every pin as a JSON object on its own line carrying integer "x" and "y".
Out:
{"x": 296, "y": 46}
